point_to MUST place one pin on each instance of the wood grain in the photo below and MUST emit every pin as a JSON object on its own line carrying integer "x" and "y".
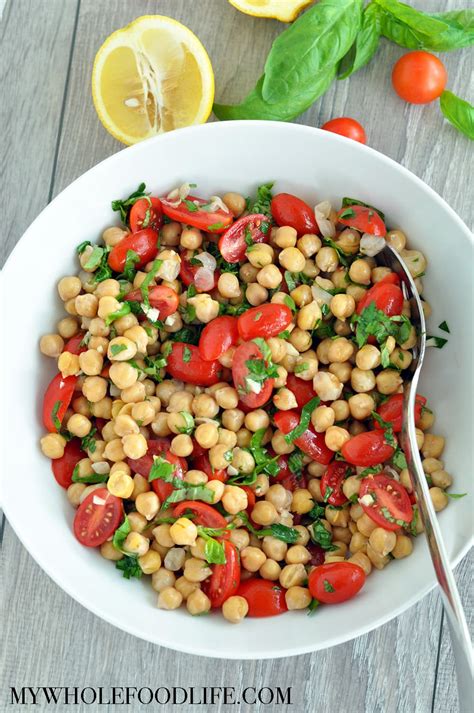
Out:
{"x": 49, "y": 639}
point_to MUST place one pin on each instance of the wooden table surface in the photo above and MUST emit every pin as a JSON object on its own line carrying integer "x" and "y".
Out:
{"x": 51, "y": 135}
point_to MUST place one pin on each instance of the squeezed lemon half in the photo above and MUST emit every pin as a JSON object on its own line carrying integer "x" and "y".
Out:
{"x": 151, "y": 76}
{"x": 283, "y": 10}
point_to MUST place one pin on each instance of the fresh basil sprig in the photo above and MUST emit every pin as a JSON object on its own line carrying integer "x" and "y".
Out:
{"x": 459, "y": 112}
{"x": 365, "y": 45}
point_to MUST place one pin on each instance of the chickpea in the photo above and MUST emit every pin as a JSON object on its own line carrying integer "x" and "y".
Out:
{"x": 91, "y": 362}
{"x": 175, "y": 558}
{"x": 108, "y": 551}
{"x": 233, "y": 419}
{"x": 284, "y": 400}
{"x": 252, "y": 558}
{"x": 322, "y": 418}
{"x": 161, "y": 533}
{"x": 378, "y": 560}
{"x": 74, "y": 493}
{"x": 220, "y": 456}
{"x": 302, "y": 501}
{"x": 269, "y": 277}
{"x": 302, "y": 296}
{"x": 270, "y": 570}
{"x": 52, "y": 445}
{"x": 196, "y": 570}
{"x": 264, "y": 513}
{"x": 191, "y": 238}
{"x": 401, "y": 358}
{"x": 169, "y": 598}
{"x": 426, "y": 420}
{"x": 177, "y": 401}
{"x": 297, "y": 598}
{"x": 234, "y": 499}
{"x": 358, "y": 543}
{"x": 397, "y": 239}
{"x": 441, "y": 479}
{"x": 368, "y": 357}
{"x": 382, "y": 541}
{"x": 134, "y": 445}
{"x": 292, "y": 259}
{"x": 228, "y": 285}
{"x": 147, "y": 504}
{"x": 431, "y": 464}
{"x": 339, "y": 518}
{"x": 183, "y": 532}
{"x": 362, "y": 380}
{"x": 161, "y": 579}
{"x": 361, "y": 559}
{"x": 361, "y": 406}
{"x": 341, "y": 370}
{"x": 279, "y": 444}
{"x": 349, "y": 241}
{"x": 79, "y": 425}
{"x": 438, "y": 498}
{"x": 309, "y": 244}
{"x": 278, "y": 496}
{"x": 351, "y": 486}
{"x": 136, "y": 544}
{"x": 388, "y": 381}
{"x": 342, "y": 306}
{"x": 198, "y": 603}
{"x": 327, "y": 386}
{"x": 293, "y": 575}
{"x": 260, "y": 255}
{"x": 137, "y": 521}
{"x": 120, "y": 484}
{"x": 204, "y": 406}
{"x": 150, "y": 562}
{"x": 182, "y": 445}
{"x": 327, "y": 259}
{"x": 433, "y": 446}
{"x": 68, "y": 327}
{"x": 124, "y": 425}
{"x": 68, "y": 364}
{"x": 298, "y": 554}
{"x": 341, "y": 410}
{"x": 341, "y": 350}
{"x": 256, "y": 294}
{"x": 309, "y": 315}
{"x": 415, "y": 261}
{"x": 207, "y": 435}
{"x": 365, "y": 525}
{"x": 235, "y": 203}
{"x": 69, "y": 287}
{"x": 255, "y": 420}
{"x": 51, "y": 345}
{"x": 234, "y": 609}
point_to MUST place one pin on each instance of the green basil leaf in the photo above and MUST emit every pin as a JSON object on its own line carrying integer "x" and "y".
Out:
{"x": 458, "y": 112}
{"x": 305, "y": 418}
{"x": 120, "y": 534}
{"x": 129, "y": 567}
{"x": 123, "y": 206}
{"x": 124, "y": 310}
{"x": 146, "y": 282}
{"x": 316, "y": 41}
{"x": 94, "y": 258}
{"x": 365, "y": 45}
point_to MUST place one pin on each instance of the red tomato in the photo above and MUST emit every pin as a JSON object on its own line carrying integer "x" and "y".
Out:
{"x": 202, "y": 462}
{"x": 73, "y": 345}
{"x": 187, "y": 273}
{"x": 391, "y": 502}
{"x": 162, "y": 489}
{"x": 392, "y": 411}
{"x": 215, "y": 222}
{"x": 161, "y": 297}
{"x": 367, "y": 449}
{"x": 144, "y": 243}
{"x": 265, "y": 321}
{"x": 63, "y": 467}
{"x": 156, "y": 447}
{"x": 234, "y": 243}
{"x": 290, "y": 210}
{"x": 205, "y": 515}
{"x": 302, "y": 390}
{"x": 217, "y": 337}
{"x": 97, "y": 517}
{"x": 251, "y": 498}
{"x": 336, "y": 582}
{"x": 362, "y": 218}
{"x": 60, "y": 392}
{"x": 248, "y": 351}
{"x": 148, "y": 211}
{"x": 264, "y": 598}
{"x": 345, "y": 126}
{"x": 225, "y": 578}
{"x": 419, "y": 77}
{"x": 317, "y": 553}
{"x": 310, "y": 442}
{"x": 186, "y": 364}
{"x": 387, "y": 297}
{"x": 333, "y": 478}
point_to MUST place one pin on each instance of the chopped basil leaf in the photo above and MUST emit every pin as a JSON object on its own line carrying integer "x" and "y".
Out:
{"x": 263, "y": 200}
{"x": 124, "y": 309}
{"x": 312, "y": 606}
{"x": 90, "y": 479}
{"x": 120, "y": 534}
{"x": 301, "y": 367}
{"x": 316, "y": 512}
{"x": 328, "y": 586}
{"x": 146, "y": 282}
{"x": 164, "y": 470}
{"x": 327, "y": 493}
{"x": 295, "y": 462}
{"x": 82, "y": 246}
{"x": 456, "y": 496}
{"x": 437, "y": 342}
{"x": 370, "y": 471}
{"x": 123, "y": 206}
{"x": 131, "y": 260}
{"x": 284, "y": 335}
{"x": 192, "y": 207}
{"x": 215, "y": 226}
{"x": 444, "y": 327}
{"x": 387, "y": 428}
{"x": 389, "y": 517}
{"x": 129, "y": 567}
{"x": 187, "y": 354}
{"x": 374, "y": 322}
{"x": 289, "y": 301}
{"x": 54, "y": 415}
{"x": 94, "y": 258}
{"x": 305, "y": 418}
{"x": 352, "y": 201}
{"x": 214, "y": 550}
{"x": 117, "y": 348}
{"x": 321, "y": 536}
{"x": 290, "y": 280}
{"x": 398, "y": 459}
{"x": 348, "y": 213}
{"x": 88, "y": 443}
{"x": 188, "y": 423}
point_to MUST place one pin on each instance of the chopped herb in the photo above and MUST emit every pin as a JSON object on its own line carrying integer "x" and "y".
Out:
{"x": 327, "y": 493}
{"x": 312, "y": 606}
{"x": 82, "y": 246}
{"x": 387, "y": 428}
{"x": 305, "y": 418}
{"x": 437, "y": 342}
{"x": 214, "y": 550}
{"x": 129, "y": 567}
{"x": 290, "y": 535}
{"x": 120, "y": 534}
{"x": 325, "y": 309}
{"x": 187, "y": 354}
{"x": 301, "y": 367}
{"x": 413, "y": 524}
{"x": 262, "y": 201}
{"x": 54, "y": 415}
{"x": 290, "y": 280}
{"x": 374, "y": 322}
{"x": 259, "y": 371}
{"x": 90, "y": 479}
{"x": 131, "y": 259}
{"x": 123, "y": 206}
{"x": 117, "y": 348}
{"x": 222, "y": 264}
{"x": 389, "y": 517}
{"x": 189, "y": 334}
{"x": 456, "y": 496}
{"x": 284, "y": 335}
{"x": 94, "y": 258}
{"x": 444, "y": 327}
{"x": 369, "y": 471}
{"x": 124, "y": 309}
{"x": 328, "y": 586}
{"x": 295, "y": 462}
{"x": 290, "y": 303}
{"x": 321, "y": 536}
{"x": 215, "y": 226}
{"x": 248, "y": 237}
{"x": 146, "y": 282}
{"x": 316, "y": 512}
{"x": 384, "y": 355}
{"x": 348, "y": 213}
{"x": 188, "y": 423}
{"x": 164, "y": 470}
{"x": 398, "y": 459}
{"x": 103, "y": 271}
{"x": 154, "y": 366}
{"x": 192, "y": 207}
{"x": 88, "y": 443}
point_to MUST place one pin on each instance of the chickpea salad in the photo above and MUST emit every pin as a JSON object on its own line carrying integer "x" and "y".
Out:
{"x": 226, "y": 412}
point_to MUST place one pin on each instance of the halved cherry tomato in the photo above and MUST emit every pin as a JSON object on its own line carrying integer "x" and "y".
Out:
{"x": 333, "y": 479}
{"x": 225, "y": 578}
{"x": 97, "y": 517}
{"x": 161, "y": 297}
{"x": 202, "y": 462}
{"x": 290, "y": 481}
{"x": 215, "y": 222}
{"x": 302, "y": 390}
{"x": 63, "y": 467}
{"x": 73, "y": 345}
{"x": 251, "y": 498}
{"x": 248, "y": 351}
{"x": 392, "y": 411}
{"x": 291, "y": 210}
{"x": 186, "y": 364}
{"x": 264, "y": 321}
{"x": 144, "y": 243}
{"x": 310, "y": 442}
{"x": 217, "y": 337}
{"x": 264, "y": 598}
{"x": 367, "y": 449}
{"x": 155, "y": 447}
{"x": 246, "y": 231}
{"x": 187, "y": 273}
{"x": 148, "y": 211}
{"x": 162, "y": 489}
{"x": 362, "y": 218}
{"x": 204, "y": 514}
{"x": 56, "y": 399}
{"x": 387, "y": 296}
{"x": 336, "y": 582}
{"x": 419, "y": 77}
{"x": 391, "y": 507}
{"x": 348, "y": 127}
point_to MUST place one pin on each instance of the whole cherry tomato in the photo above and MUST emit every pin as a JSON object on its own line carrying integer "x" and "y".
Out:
{"x": 246, "y": 231}
{"x": 302, "y": 390}
{"x": 345, "y": 126}
{"x": 310, "y": 442}
{"x": 367, "y": 449}
{"x": 97, "y": 517}
{"x": 245, "y": 353}
{"x": 56, "y": 400}
{"x": 63, "y": 467}
{"x": 333, "y": 480}
{"x": 265, "y": 321}
{"x": 161, "y": 297}
{"x": 146, "y": 213}
{"x": 362, "y": 218}
{"x": 214, "y": 222}
{"x": 204, "y": 514}
{"x": 387, "y": 297}
{"x": 186, "y": 364}
{"x": 291, "y": 210}
{"x": 265, "y": 598}
{"x": 144, "y": 243}
{"x": 225, "y": 578}
{"x": 217, "y": 337}
{"x": 336, "y": 582}
{"x": 392, "y": 411}
{"x": 390, "y": 507}
{"x": 419, "y": 77}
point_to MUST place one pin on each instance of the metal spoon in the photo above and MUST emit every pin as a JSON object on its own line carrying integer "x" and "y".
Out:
{"x": 461, "y": 642}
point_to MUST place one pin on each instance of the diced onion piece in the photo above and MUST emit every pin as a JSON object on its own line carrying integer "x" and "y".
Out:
{"x": 207, "y": 260}
{"x": 216, "y": 203}
{"x": 232, "y": 471}
{"x": 254, "y": 386}
{"x": 371, "y": 245}
{"x": 320, "y": 295}
{"x": 204, "y": 279}
{"x": 170, "y": 268}
{"x": 98, "y": 501}
{"x": 114, "y": 390}
{"x": 322, "y": 212}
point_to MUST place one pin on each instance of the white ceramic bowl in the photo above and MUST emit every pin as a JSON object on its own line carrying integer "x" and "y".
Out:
{"x": 238, "y": 156}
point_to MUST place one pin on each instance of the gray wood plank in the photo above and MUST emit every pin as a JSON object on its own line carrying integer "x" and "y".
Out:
{"x": 377, "y": 673}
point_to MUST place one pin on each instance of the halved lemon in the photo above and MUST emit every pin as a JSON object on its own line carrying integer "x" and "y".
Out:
{"x": 151, "y": 76}
{"x": 283, "y": 10}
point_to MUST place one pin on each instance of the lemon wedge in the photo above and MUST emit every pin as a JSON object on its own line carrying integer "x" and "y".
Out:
{"x": 151, "y": 76}
{"x": 283, "y": 10}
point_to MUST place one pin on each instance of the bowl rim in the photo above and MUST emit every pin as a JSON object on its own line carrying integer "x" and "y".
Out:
{"x": 204, "y": 649}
